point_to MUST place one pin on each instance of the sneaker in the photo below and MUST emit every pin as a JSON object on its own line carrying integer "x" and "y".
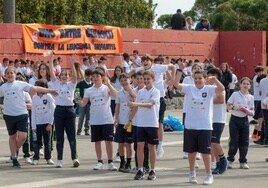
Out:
{"x": 16, "y": 163}
{"x": 216, "y": 170}
{"x": 76, "y": 163}
{"x": 198, "y": 156}
{"x": 87, "y": 133}
{"x": 185, "y": 155}
{"x": 244, "y": 166}
{"x": 9, "y": 160}
{"x": 50, "y": 162}
{"x": 28, "y": 160}
{"x": 146, "y": 170}
{"x": 192, "y": 178}
{"x": 208, "y": 180}
{"x": 223, "y": 165}
{"x": 98, "y": 166}
{"x": 117, "y": 159}
{"x": 139, "y": 175}
{"x": 254, "y": 136}
{"x": 112, "y": 167}
{"x": 230, "y": 165}
{"x": 35, "y": 162}
{"x": 59, "y": 164}
{"x": 152, "y": 175}
{"x": 253, "y": 121}
{"x": 160, "y": 153}
{"x": 41, "y": 153}
{"x": 127, "y": 168}
{"x": 121, "y": 168}
{"x": 259, "y": 142}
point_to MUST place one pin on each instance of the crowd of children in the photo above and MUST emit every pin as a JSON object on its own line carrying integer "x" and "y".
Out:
{"x": 137, "y": 87}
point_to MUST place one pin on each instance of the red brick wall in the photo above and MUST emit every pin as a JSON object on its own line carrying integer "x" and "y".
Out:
{"x": 223, "y": 46}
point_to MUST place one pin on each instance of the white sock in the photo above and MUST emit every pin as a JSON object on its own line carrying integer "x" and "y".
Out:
{"x": 160, "y": 144}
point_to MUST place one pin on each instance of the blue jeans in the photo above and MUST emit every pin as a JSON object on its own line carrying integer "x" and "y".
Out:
{"x": 83, "y": 111}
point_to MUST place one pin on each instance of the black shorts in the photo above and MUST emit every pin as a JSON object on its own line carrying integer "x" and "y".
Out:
{"x": 162, "y": 109}
{"x": 216, "y": 132}
{"x": 147, "y": 134}
{"x": 102, "y": 132}
{"x": 197, "y": 141}
{"x": 122, "y": 136}
{"x": 257, "y": 110}
{"x": 16, "y": 123}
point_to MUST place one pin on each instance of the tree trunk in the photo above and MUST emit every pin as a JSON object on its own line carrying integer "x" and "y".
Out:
{"x": 9, "y": 11}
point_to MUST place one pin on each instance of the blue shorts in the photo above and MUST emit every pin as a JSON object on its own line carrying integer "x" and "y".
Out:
{"x": 147, "y": 134}
{"x": 102, "y": 132}
{"x": 162, "y": 109}
{"x": 16, "y": 123}
{"x": 122, "y": 136}
{"x": 216, "y": 132}
{"x": 197, "y": 141}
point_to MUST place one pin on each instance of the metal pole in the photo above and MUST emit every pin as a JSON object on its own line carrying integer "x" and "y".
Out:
{"x": 9, "y": 11}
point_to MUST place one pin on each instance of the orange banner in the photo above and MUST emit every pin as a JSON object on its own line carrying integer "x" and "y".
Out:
{"x": 71, "y": 39}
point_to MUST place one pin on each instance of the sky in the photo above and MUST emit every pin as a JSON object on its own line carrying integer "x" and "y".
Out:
{"x": 171, "y": 6}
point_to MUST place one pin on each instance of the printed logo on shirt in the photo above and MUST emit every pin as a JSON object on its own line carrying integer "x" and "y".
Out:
{"x": 45, "y": 101}
{"x": 204, "y": 95}
{"x": 10, "y": 95}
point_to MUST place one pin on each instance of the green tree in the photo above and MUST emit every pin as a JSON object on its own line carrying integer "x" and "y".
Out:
{"x": 164, "y": 21}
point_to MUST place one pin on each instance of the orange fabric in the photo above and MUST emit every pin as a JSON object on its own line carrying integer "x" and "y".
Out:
{"x": 71, "y": 39}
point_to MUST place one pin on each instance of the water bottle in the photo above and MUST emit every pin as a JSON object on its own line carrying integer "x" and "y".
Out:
{"x": 129, "y": 129}
{"x": 34, "y": 136}
{"x": 77, "y": 95}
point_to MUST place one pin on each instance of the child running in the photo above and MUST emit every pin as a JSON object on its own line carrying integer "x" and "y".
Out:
{"x": 198, "y": 121}
{"x": 242, "y": 105}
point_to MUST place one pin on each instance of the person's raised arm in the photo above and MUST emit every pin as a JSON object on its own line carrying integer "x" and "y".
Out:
{"x": 74, "y": 73}
{"x": 51, "y": 71}
{"x": 107, "y": 82}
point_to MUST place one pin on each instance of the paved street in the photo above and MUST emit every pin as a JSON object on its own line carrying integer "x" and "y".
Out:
{"x": 171, "y": 171}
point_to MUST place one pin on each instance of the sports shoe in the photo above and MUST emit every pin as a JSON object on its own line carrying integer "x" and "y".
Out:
{"x": 9, "y": 160}
{"x": 112, "y": 167}
{"x": 50, "y": 162}
{"x": 76, "y": 163}
{"x": 16, "y": 163}
{"x": 259, "y": 142}
{"x": 244, "y": 166}
{"x": 139, "y": 175}
{"x": 185, "y": 155}
{"x": 223, "y": 165}
{"x": 160, "y": 153}
{"x": 253, "y": 122}
{"x": 35, "y": 162}
{"x": 28, "y": 160}
{"x": 216, "y": 170}
{"x": 198, "y": 156}
{"x": 117, "y": 159}
{"x": 98, "y": 166}
{"x": 152, "y": 175}
{"x": 126, "y": 168}
{"x": 254, "y": 136}
{"x": 192, "y": 178}
{"x": 230, "y": 165}
{"x": 87, "y": 133}
{"x": 41, "y": 153}
{"x": 59, "y": 164}
{"x": 208, "y": 180}
{"x": 146, "y": 170}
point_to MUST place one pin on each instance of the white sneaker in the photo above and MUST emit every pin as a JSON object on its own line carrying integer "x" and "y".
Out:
{"x": 35, "y": 162}
{"x": 41, "y": 153}
{"x": 76, "y": 163}
{"x": 185, "y": 155}
{"x": 230, "y": 165}
{"x": 192, "y": 178}
{"x": 117, "y": 159}
{"x": 244, "y": 166}
{"x": 50, "y": 162}
{"x": 208, "y": 180}
{"x": 213, "y": 165}
{"x": 198, "y": 156}
{"x": 98, "y": 166}
{"x": 28, "y": 160}
{"x": 59, "y": 164}
{"x": 160, "y": 153}
{"x": 112, "y": 167}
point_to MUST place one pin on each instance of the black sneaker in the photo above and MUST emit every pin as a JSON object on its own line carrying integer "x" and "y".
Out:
{"x": 259, "y": 142}
{"x": 127, "y": 168}
{"x": 216, "y": 170}
{"x": 253, "y": 122}
{"x": 151, "y": 175}
{"x": 139, "y": 175}
{"x": 87, "y": 133}
{"x": 78, "y": 133}
{"x": 16, "y": 163}
{"x": 146, "y": 170}
{"x": 121, "y": 168}
{"x": 223, "y": 165}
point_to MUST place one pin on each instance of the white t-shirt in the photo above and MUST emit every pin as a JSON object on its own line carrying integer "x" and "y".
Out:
{"x": 122, "y": 98}
{"x": 159, "y": 72}
{"x": 126, "y": 65}
{"x": 148, "y": 117}
{"x": 263, "y": 87}
{"x": 186, "y": 80}
{"x": 42, "y": 110}
{"x": 14, "y": 97}
{"x": 134, "y": 119}
{"x": 234, "y": 81}
{"x": 237, "y": 98}
{"x": 219, "y": 112}
{"x": 33, "y": 80}
{"x": 65, "y": 95}
{"x": 117, "y": 86}
{"x": 100, "y": 111}
{"x": 138, "y": 61}
{"x": 2, "y": 69}
{"x": 84, "y": 67}
{"x": 256, "y": 89}
{"x": 199, "y": 111}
